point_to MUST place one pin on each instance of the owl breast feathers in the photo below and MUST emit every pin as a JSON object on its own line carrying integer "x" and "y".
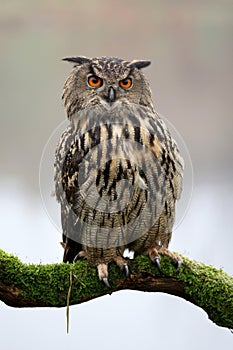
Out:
{"x": 118, "y": 172}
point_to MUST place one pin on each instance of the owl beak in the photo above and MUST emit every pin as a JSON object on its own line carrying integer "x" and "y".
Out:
{"x": 111, "y": 95}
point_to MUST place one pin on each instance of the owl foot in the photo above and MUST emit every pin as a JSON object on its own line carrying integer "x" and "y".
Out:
{"x": 154, "y": 257}
{"x": 176, "y": 259}
{"x": 122, "y": 264}
{"x": 101, "y": 268}
{"x": 103, "y": 273}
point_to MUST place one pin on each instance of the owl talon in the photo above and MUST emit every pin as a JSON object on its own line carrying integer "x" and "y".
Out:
{"x": 105, "y": 280}
{"x": 79, "y": 256}
{"x": 178, "y": 263}
{"x": 126, "y": 267}
{"x": 157, "y": 262}
{"x": 103, "y": 273}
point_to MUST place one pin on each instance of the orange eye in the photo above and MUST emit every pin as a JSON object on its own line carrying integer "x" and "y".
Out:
{"x": 126, "y": 83}
{"x": 94, "y": 81}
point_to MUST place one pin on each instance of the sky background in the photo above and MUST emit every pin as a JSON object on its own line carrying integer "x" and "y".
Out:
{"x": 191, "y": 48}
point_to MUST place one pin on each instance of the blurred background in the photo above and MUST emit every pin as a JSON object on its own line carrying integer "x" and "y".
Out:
{"x": 191, "y": 48}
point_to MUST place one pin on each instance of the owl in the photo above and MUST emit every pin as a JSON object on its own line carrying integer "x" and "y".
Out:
{"x": 118, "y": 171}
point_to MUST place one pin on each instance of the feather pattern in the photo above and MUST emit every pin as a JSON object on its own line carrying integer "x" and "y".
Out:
{"x": 118, "y": 171}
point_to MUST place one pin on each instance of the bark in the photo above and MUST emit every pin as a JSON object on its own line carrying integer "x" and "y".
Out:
{"x": 38, "y": 285}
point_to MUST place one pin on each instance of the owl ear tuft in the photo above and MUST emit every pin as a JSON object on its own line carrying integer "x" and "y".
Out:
{"x": 139, "y": 64}
{"x": 77, "y": 60}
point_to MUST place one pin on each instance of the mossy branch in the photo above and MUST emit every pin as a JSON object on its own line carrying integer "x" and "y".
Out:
{"x": 37, "y": 285}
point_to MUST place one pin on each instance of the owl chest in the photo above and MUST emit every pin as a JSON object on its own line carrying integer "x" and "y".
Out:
{"x": 102, "y": 163}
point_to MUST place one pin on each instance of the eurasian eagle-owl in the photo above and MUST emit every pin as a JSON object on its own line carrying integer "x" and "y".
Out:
{"x": 118, "y": 171}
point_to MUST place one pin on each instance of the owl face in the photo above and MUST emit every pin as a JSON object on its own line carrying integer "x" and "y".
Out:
{"x": 104, "y": 81}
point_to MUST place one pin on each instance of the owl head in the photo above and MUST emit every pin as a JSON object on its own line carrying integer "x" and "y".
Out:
{"x": 105, "y": 81}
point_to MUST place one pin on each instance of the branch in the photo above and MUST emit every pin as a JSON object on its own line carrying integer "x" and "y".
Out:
{"x": 31, "y": 285}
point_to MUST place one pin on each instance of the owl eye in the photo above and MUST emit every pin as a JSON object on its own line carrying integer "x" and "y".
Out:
{"x": 126, "y": 83}
{"x": 94, "y": 81}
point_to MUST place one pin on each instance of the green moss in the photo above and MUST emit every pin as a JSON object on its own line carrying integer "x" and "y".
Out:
{"x": 49, "y": 283}
{"x": 143, "y": 263}
{"x": 211, "y": 289}
{"x": 205, "y": 286}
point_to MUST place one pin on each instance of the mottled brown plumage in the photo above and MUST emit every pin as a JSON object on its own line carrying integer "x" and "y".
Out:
{"x": 118, "y": 172}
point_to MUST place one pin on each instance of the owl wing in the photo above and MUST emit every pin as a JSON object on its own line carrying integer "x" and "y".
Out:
{"x": 167, "y": 177}
{"x": 70, "y": 238}
{"x": 171, "y": 159}
{"x": 171, "y": 171}
{"x": 173, "y": 166}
